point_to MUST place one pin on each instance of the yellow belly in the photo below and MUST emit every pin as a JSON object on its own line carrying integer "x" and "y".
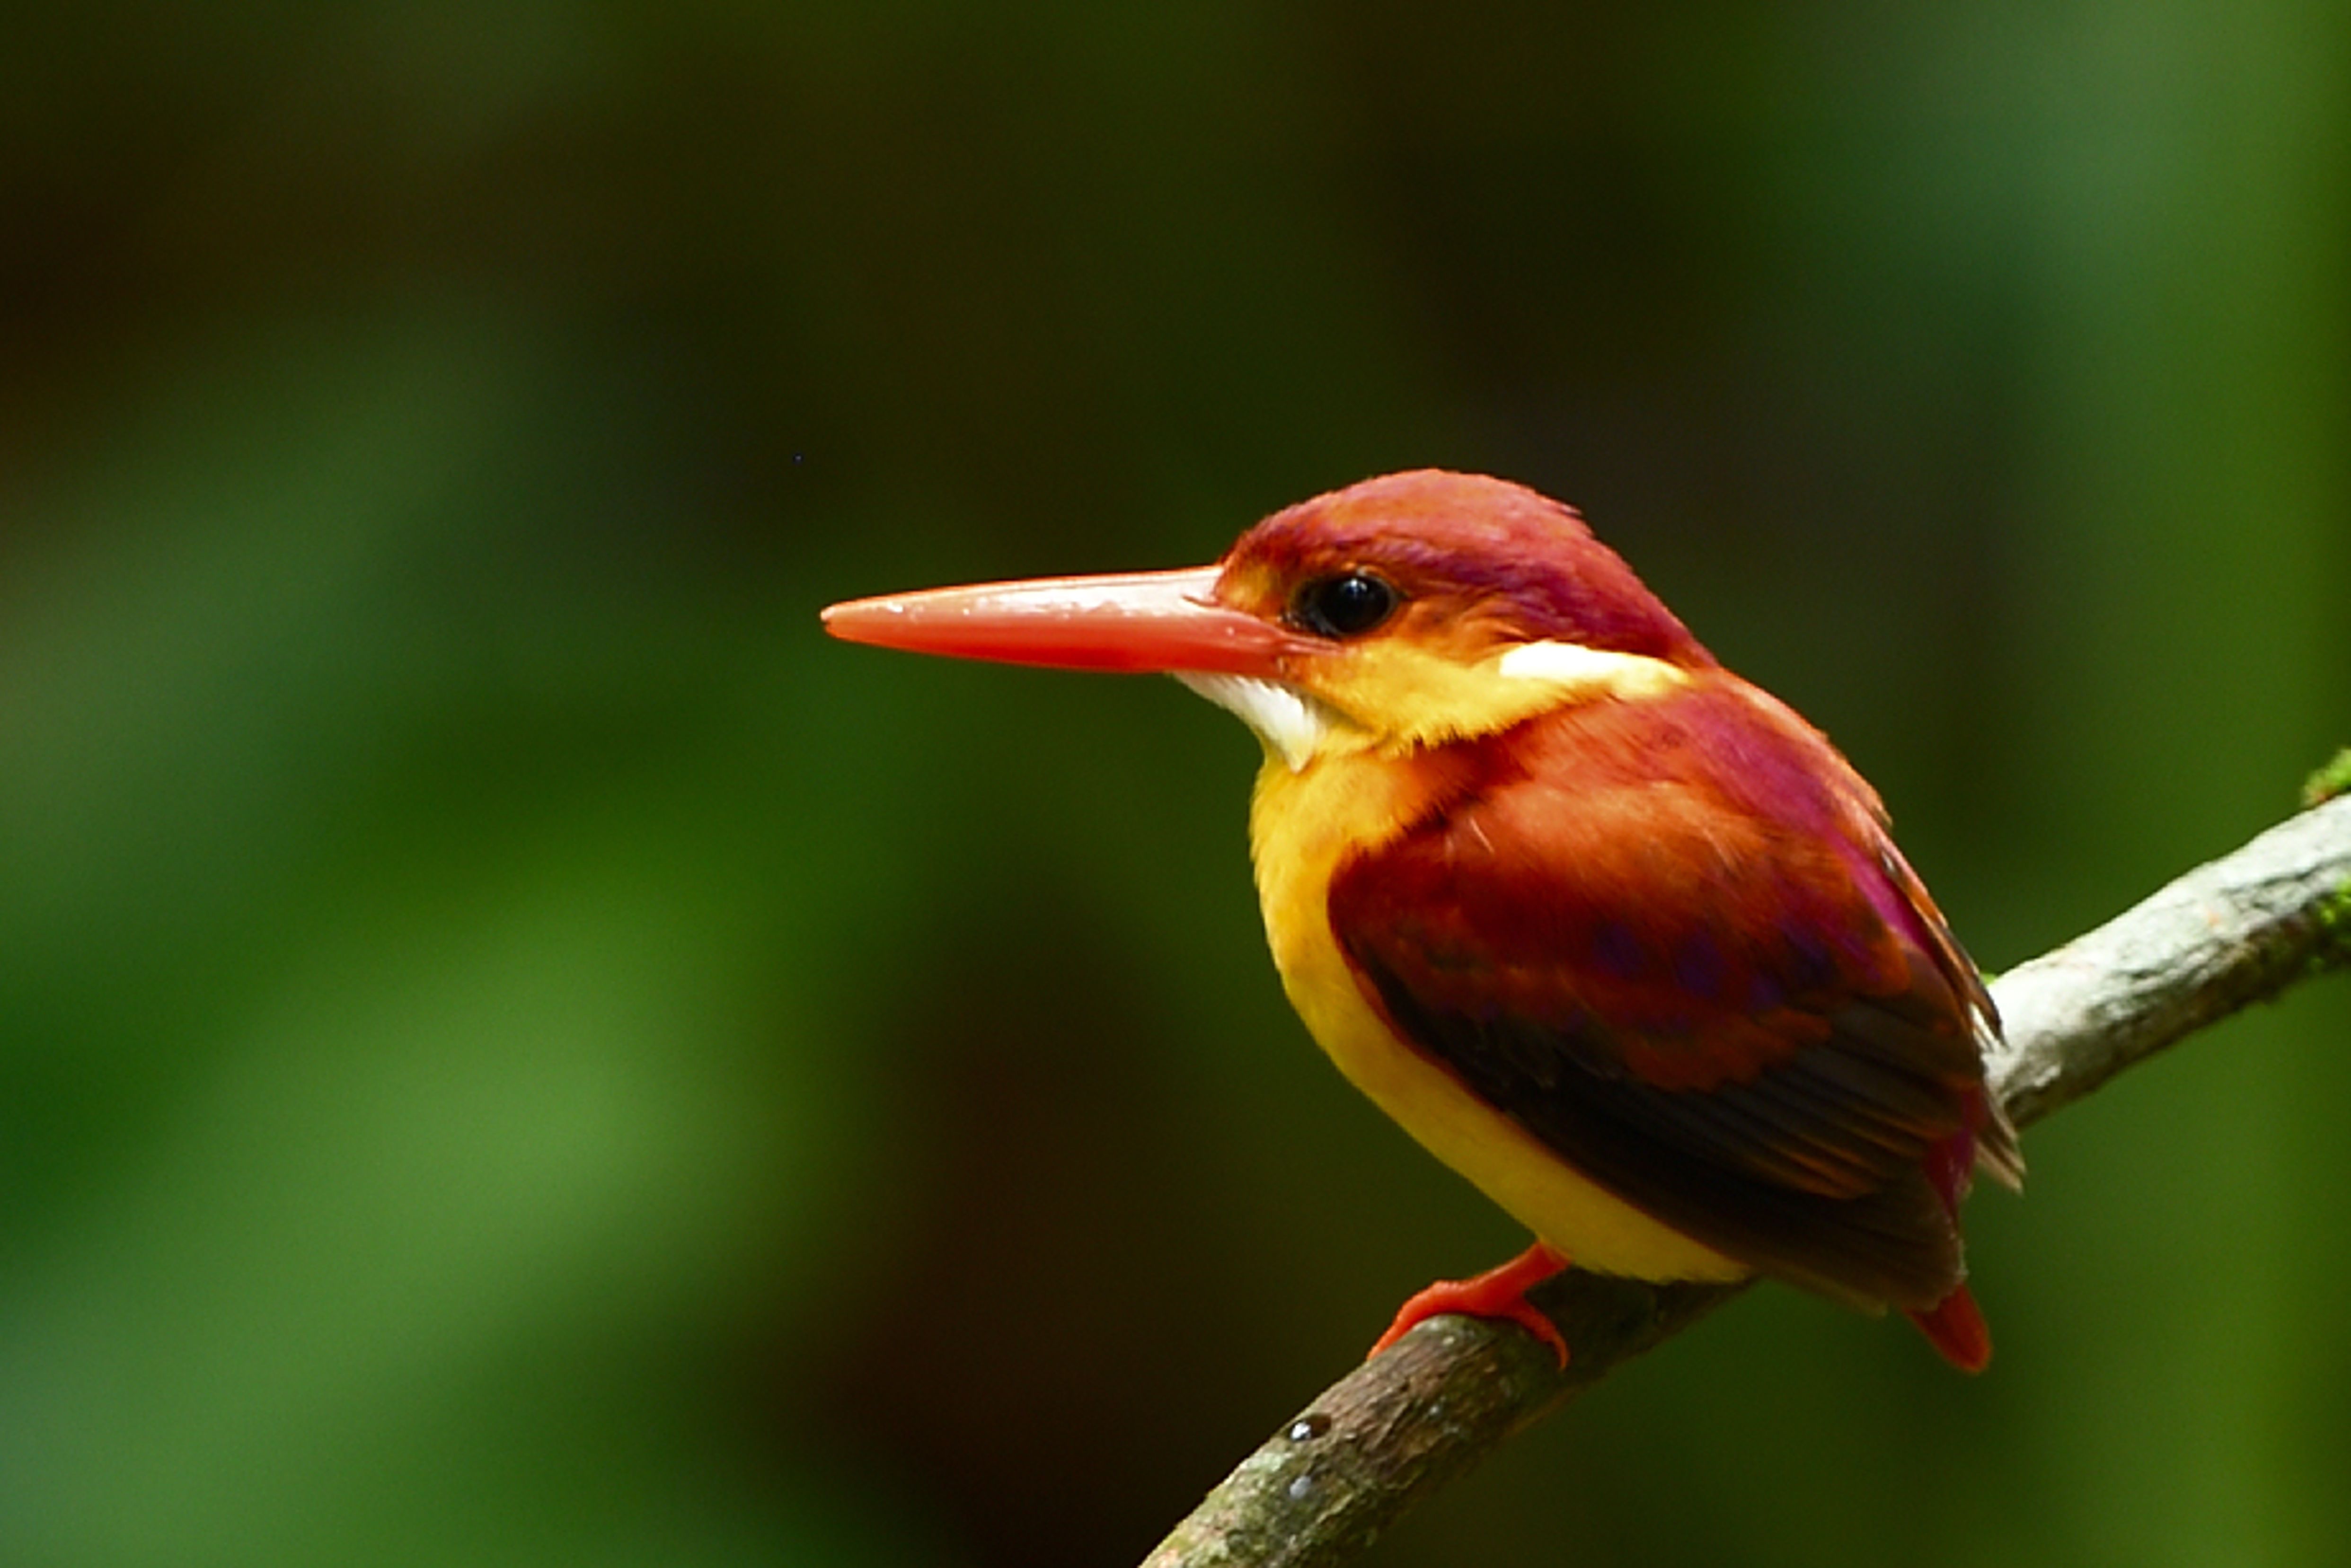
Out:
{"x": 1301, "y": 825}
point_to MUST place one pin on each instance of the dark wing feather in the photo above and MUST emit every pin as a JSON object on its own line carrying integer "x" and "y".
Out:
{"x": 1672, "y": 941}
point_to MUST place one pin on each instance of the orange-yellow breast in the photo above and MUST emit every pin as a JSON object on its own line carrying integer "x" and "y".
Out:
{"x": 1303, "y": 824}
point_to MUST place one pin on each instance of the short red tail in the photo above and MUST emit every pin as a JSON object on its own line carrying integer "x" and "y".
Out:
{"x": 1956, "y": 1327}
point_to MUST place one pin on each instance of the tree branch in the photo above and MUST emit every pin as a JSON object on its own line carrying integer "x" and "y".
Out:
{"x": 2236, "y": 931}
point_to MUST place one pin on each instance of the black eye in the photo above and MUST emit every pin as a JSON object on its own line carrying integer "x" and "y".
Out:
{"x": 1346, "y": 605}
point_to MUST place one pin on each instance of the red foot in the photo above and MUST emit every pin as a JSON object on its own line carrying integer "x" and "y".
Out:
{"x": 1496, "y": 1293}
{"x": 1956, "y": 1327}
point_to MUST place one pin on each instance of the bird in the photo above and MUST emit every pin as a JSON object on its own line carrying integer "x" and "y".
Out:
{"x": 1609, "y": 930}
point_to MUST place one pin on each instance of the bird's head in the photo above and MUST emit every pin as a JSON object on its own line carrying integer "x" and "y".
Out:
{"x": 1400, "y": 612}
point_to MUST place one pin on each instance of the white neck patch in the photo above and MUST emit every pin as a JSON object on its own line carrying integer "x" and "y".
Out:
{"x": 1284, "y": 717}
{"x": 1593, "y": 670}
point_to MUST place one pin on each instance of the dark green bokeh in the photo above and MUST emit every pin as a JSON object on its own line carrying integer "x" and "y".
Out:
{"x": 513, "y": 1049}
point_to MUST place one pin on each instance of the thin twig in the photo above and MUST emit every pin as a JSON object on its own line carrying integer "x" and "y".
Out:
{"x": 2236, "y": 931}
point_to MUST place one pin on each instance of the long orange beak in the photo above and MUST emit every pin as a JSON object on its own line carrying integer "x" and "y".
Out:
{"x": 1145, "y": 621}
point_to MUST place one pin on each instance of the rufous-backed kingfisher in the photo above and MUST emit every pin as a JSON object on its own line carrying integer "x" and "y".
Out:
{"x": 1612, "y": 932}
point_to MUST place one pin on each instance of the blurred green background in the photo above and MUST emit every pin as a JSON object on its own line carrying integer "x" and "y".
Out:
{"x": 513, "y": 1049}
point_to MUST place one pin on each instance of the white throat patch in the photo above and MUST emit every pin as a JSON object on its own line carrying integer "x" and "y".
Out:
{"x": 1284, "y": 717}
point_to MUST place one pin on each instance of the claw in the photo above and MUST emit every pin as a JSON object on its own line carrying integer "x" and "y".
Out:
{"x": 1497, "y": 1293}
